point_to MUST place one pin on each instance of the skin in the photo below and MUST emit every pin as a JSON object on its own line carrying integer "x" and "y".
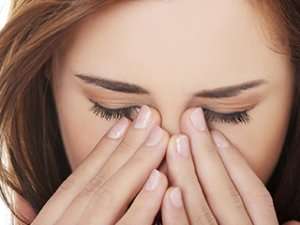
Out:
{"x": 172, "y": 78}
{"x": 112, "y": 45}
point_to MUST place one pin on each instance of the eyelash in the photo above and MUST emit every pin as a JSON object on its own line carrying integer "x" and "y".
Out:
{"x": 109, "y": 114}
{"x": 233, "y": 118}
{"x": 211, "y": 116}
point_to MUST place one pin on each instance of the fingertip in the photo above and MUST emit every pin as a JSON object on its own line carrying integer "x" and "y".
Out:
{"x": 156, "y": 116}
{"x": 175, "y": 197}
{"x": 185, "y": 119}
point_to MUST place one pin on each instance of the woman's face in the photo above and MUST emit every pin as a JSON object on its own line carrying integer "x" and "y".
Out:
{"x": 174, "y": 51}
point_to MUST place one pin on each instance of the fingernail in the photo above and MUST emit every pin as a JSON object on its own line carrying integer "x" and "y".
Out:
{"x": 153, "y": 180}
{"x": 118, "y": 129}
{"x": 182, "y": 145}
{"x": 219, "y": 139}
{"x": 198, "y": 120}
{"x": 144, "y": 117}
{"x": 176, "y": 197}
{"x": 155, "y": 136}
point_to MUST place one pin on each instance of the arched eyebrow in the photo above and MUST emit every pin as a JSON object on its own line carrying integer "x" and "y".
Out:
{"x": 129, "y": 88}
{"x": 112, "y": 84}
{"x": 230, "y": 91}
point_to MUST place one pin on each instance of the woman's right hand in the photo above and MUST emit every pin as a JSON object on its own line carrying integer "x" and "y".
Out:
{"x": 101, "y": 188}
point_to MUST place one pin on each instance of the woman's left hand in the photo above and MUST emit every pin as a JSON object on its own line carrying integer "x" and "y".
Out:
{"x": 218, "y": 186}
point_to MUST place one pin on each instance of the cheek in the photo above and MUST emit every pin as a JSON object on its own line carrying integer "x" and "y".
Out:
{"x": 261, "y": 140}
{"x": 261, "y": 147}
{"x": 81, "y": 130}
{"x": 80, "y": 135}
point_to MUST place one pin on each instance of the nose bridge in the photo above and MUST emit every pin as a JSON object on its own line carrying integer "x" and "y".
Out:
{"x": 170, "y": 116}
{"x": 171, "y": 98}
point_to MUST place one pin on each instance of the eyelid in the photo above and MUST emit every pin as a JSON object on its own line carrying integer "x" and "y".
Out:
{"x": 116, "y": 108}
{"x": 204, "y": 107}
{"x": 235, "y": 104}
{"x": 225, "y": 113}
{"x": 230, "y": 110}
{"x": 230, "y": 118}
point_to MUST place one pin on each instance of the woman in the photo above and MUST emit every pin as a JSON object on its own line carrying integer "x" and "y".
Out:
{"x": 142, "y": 112}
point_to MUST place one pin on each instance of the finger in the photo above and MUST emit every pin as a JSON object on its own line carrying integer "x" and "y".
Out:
{"x": 89, "y": 170}
{"x": 181, "y": 171}
{"x": 82, "y": 175}
{"x": 148, "y": 201}
{"x": 173, "y": 211}
{"x": 256, "y": 197}
{"x": 137, "y": 134}
{"x": 134, "y": 138}
{"x": 220, "y": 192}
{"x": 112, "y": 198}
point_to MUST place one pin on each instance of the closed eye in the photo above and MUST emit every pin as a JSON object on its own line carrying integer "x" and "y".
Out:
{"x": 109, "y": 114}
{"x": 239, "y": 117}
{"x": 232, "y": 117}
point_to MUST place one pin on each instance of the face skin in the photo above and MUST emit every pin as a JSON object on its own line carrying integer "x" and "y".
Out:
{"x": 175, "y": 49}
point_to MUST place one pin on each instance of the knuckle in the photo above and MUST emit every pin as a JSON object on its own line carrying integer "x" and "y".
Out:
{"x": 205, "y": 217}
{"x": 106, "y": 196}
{"x": 97, "y": 181}
{"x": 127, "y": 144}
{"x": 235, "y": 196}
{"x": 237, "y": 201}
{"x": 141, "y": 160}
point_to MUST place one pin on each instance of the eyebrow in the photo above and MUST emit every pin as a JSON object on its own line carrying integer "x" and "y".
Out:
{"x": 118, "y": 86}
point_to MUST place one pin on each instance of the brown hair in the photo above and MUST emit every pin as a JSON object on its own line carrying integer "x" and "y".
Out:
{"x": 29, "y": 131}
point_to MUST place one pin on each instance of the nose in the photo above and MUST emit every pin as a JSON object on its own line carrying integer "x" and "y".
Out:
{"x": 170, "y": 119}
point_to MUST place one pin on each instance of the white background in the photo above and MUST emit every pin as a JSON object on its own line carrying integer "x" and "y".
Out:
{"x": 4, "y": 212}
{"x": 4, "y": 5}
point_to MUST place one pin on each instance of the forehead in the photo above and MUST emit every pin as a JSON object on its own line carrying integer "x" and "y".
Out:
{"x": 186, "y": 40}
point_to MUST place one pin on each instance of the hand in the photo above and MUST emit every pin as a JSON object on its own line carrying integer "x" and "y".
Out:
{"x": 101, "y": 188}
{"x": 217, "y": 184}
